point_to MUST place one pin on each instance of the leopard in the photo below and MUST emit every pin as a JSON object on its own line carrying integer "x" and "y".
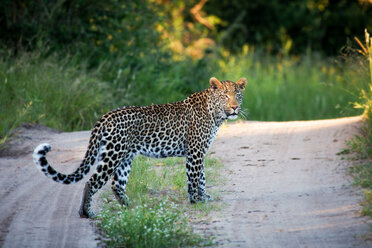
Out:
{"x": 181, "y": 129}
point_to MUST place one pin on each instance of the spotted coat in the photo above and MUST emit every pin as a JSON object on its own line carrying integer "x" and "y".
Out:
{"x": 181, "y": 129}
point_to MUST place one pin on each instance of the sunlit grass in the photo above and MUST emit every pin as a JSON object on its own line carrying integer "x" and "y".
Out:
{"x": 59, "y": 92}
{"x": 166, "y": 177}
{"x": 155, "y": 224}
{"x": 361, "y": 144}
{"x": 284, "y": 89}
{"x": 159, "y": 213}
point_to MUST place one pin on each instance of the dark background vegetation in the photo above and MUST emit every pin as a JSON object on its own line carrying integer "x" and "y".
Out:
{"x": 93, "y": 56}
{"x": 323, "y": 25}
{"x": 319, "y": 25}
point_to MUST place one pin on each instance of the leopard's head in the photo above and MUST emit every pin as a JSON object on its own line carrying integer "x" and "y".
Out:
{"x": 228, "y": 97}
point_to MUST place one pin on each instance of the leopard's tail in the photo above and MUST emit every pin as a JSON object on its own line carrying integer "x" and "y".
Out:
{"x": 43, "y": 165}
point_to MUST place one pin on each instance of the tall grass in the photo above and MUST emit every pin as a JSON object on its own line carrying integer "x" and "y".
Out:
{"x": 59, "y": 91}
{"x": 49, "y": 91}
{"x": 159, "y": 213}
{"x": 293, "y": 88}
{"x": 362, "y": 144}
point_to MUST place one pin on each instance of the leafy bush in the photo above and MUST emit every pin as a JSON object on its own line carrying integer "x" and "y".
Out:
{"x": 98, "y": 26}
{"x": 290, "y": 26}
{"x": 159, "y": 225}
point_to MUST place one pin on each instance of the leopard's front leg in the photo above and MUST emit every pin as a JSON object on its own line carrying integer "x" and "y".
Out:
{"x": 196, "y": 178}
{"x": 201, "y": 190}
{"x": 200, "y": 136}
{"x": 193, "y": 179}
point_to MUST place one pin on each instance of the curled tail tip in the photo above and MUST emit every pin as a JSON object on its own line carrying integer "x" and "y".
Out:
{"x": 42, "y": 149}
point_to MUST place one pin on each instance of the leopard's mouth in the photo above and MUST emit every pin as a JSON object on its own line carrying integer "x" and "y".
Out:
{"x": 231, "y": 113}
{"x": 232, "y": 116}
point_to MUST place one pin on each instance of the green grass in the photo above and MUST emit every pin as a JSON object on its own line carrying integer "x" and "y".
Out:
{"x": 159, "y": 224}
{"x": 362, "y": 174}
{"x": 290, "y": 88}
{"x": 49, "y": 91}
{"x": 59, "y": 91}
{"x": 361, "y": 144}
{"x": 158, "y": 214}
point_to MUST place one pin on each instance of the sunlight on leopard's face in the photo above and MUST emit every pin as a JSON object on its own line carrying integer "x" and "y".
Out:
{"x": 231, "y": 97}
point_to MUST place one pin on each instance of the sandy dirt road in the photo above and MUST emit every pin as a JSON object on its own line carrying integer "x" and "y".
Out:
{"x": 286, "y": 187}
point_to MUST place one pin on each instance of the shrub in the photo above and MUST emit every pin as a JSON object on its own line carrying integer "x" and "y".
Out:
{"x": 159, "y": 225}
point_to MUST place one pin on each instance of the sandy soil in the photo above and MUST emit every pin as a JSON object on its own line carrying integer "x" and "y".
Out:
{"x": 286, "y": 187}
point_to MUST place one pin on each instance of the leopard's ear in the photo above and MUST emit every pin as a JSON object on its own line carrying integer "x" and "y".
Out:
{"x": 241, "y": 83}
{"x": 215, "y": 83}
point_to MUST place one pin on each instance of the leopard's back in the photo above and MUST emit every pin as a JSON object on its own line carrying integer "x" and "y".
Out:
{"x": 156, "y": 131}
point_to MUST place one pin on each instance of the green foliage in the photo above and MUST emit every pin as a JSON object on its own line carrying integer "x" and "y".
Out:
{"x": 280, "y": 26}
{"x": 362, "y": 144}
{"x": 104, "y": 55}
{"x": 164, "y": 177}
{"x": 367, "y": 203}
{"x": 49, "y": 91}
{"x": 107, "y": 28}
{"x": 59, "y": 91}
{"x": 98, "y": 26}
{"x": 362, "y": 174}
{"x": 290, "y": 88}
{"x": 159, "y": 80}
{"x": 158, "y": 213}
{"x": 156, "y": 225}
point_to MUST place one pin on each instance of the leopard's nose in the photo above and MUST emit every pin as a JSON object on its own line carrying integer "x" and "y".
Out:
{"x": 234, "y": 107}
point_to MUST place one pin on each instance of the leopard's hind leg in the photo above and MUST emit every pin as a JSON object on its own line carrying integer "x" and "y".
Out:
{"x": 120, "y": 180}
{"x": 105, "y": 168}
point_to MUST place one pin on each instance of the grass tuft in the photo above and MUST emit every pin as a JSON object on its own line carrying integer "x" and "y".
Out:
{"x": 159, "y": 224}
{"x": 159, "y": 214}
{"x": 362, "y": 144}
